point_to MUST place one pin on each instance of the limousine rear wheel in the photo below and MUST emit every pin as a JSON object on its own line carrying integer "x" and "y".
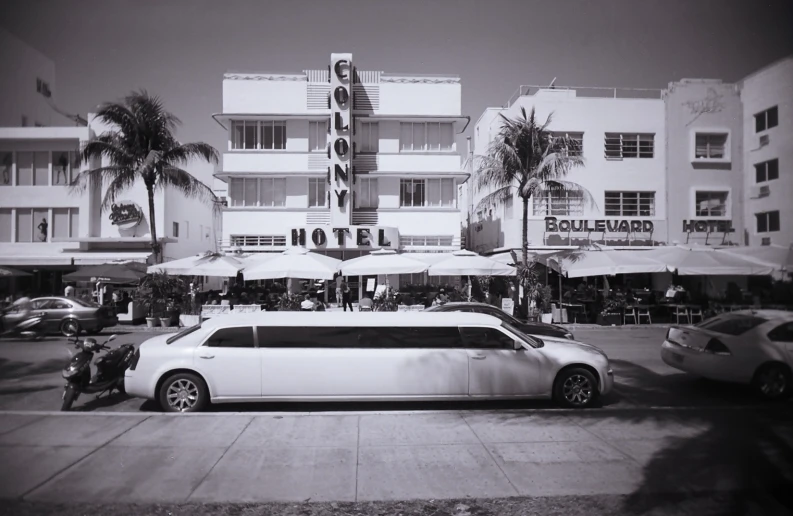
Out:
{"x": 183, "y": 392}
{"x": 575, "y": 388}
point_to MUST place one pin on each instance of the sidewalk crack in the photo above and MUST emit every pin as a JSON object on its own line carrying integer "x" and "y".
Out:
{"x": 81, "y": 459}
{"x": 198, "y": 484}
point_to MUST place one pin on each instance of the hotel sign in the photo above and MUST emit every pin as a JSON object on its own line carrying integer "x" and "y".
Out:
{"x": 341, "y": 72}
{"x": 345, "y": 237}
{"x": 554, "y": 225}
{"x": 708, "y": 226}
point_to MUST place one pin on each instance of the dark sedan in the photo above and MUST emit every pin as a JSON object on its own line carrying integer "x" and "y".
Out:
{"x": 532, "y": 328}
{"x": 68, "y": 314}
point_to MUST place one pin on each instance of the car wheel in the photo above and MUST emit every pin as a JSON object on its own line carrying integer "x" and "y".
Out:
{"x": 575, "y": 388}
{"x": 773, "y": 382}
{"x": 183, "y": 392}
{"x": 70, "y": 328}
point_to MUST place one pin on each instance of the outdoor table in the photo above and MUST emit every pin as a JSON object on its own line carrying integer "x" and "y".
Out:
{"x": 575, "y": 309}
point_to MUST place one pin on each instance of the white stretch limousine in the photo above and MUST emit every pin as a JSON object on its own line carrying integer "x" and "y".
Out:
{"x": 289, "y": 356}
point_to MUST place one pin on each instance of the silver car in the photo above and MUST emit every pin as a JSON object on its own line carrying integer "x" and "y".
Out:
{"x": 750, "y": 346}
{"x": 67, "y": 315}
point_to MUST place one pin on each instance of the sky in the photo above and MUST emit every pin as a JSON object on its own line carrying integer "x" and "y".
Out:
{"x": 180, "y": 49}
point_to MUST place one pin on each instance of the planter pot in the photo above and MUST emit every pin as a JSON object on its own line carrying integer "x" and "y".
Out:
{"x": 151, "y": 322}
{"x": 547, "y": 318}
{"x": 188, "y": 320}
{"x": 609, "y": 319}
{"x": 165, "y": 322}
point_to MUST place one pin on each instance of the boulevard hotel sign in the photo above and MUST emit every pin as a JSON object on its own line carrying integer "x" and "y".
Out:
{"x": 341, "y": 234}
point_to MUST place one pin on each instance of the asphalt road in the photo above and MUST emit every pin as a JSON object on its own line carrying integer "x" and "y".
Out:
{"x": 30, "y": 380}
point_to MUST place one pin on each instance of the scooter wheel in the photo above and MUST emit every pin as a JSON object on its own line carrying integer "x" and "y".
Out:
{"x": 120, "y": 387}
{"x": 69, "y": 395}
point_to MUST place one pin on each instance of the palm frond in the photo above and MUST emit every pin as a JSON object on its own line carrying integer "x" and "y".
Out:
{"x": 187, "y": 185}
{"x": 121, "y": 182}
{"x": 97, "y": 177}
{"x": 497, "y": 198}
{"x": 560, "y": 186}
{"x": 182, "y": 154}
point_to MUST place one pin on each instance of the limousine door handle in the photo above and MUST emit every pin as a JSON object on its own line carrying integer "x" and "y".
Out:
{"x": 206, "y": 356}
{"x": 479, "y": 357}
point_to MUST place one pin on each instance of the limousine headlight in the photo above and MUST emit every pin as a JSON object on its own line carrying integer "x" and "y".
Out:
{"x": 569, "y": 336}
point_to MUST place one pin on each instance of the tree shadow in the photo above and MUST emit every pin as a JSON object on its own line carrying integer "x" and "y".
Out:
{"x": 12, "y": 369}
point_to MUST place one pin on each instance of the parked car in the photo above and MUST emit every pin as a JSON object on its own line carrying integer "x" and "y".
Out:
{"x": 532, "y": 328}
{"x": 332, "y": 356}
{"x": 749, "y": 347}
{"x": 68, "y": 314}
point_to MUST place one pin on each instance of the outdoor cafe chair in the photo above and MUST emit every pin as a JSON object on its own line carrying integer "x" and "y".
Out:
{"x": 644, "y": 311}
{"x": 681, "y": 311}
{"x": 630, "y": 312}
{"x": 695, "y": 312}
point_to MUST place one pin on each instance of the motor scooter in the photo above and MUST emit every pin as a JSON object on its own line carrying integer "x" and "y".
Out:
{"x": 30, "y": 328}
{"x": 109, "y": 370}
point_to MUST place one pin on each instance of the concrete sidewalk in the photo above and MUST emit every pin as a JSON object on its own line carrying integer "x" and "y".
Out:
{"x": 357, "y": 457}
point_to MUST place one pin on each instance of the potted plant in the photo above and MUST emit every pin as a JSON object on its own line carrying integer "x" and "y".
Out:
{"x": 153, "y": 292}
{"x": 543, "y": 298}
{"x": 189, "y": 313}
{"x": 612, "y": 312}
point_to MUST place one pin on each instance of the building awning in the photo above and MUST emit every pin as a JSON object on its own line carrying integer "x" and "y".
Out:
{"x": 72, "y": 258}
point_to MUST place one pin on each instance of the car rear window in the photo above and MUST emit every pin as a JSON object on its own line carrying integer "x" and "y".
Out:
{"x": 731, "y": 324}
{"x": 81, "y": 302}
{"x": 186, "y": 331}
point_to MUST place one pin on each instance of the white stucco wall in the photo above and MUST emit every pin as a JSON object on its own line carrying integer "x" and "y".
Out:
{"x": 22, "y": 65}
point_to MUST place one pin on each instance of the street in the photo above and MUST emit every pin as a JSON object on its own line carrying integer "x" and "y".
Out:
{"x": 660, "y": 436}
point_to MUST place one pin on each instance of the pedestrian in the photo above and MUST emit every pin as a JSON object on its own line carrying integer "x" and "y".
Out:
{"x": 69, "y": 290}
{"x": 345, "y": 296}
{"x": 339, "y": 281}
{"x": 43, "y": 230}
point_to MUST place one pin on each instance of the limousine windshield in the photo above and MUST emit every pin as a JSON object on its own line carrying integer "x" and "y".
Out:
{"x": 534, "y": 342}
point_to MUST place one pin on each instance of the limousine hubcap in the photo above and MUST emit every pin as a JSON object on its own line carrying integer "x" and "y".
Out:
{"x": 182, "y": 394}
{"x": 577, "y": 389}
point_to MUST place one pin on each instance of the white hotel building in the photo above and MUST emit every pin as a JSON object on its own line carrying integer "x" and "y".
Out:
{"x": 341, "y": 161}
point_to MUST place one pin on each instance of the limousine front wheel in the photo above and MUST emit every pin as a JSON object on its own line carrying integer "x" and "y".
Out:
{"x": 183, "y": 392}
{"x": 575, "y": 388}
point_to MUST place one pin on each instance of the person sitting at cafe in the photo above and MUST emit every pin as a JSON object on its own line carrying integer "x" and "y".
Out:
{"x": 307, "y": 304}
{"x": 365, "y": 304}
{"x": 441, "y": 298}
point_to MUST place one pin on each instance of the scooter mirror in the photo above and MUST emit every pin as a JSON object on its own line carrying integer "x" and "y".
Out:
{"x": 111, "y": 338}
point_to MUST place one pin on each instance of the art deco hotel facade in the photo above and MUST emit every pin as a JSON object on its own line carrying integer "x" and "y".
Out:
{"x": 341, "y": 161}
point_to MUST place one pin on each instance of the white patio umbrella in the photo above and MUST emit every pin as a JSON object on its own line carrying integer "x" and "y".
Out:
{"x": 581, "y": 263}
{"x": 215, "y": 265}
{"x": 777, "y": 256}
{"x": 694, "y": 261}
{"x": 296, "y": 262}
{"x": 382, "y": 262}
{"x": 468, "y": 263}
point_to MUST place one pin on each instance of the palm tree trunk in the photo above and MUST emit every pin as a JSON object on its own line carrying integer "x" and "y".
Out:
{"x": 524, "y": 247}
{"x": 153, "y": 226}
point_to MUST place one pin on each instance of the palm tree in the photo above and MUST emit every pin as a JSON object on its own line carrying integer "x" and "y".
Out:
{"x": 142, "y": 147}
{"x": 528, "y": 159}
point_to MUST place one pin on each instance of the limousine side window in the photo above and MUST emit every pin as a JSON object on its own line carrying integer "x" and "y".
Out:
{"x": 404, "y": 337}
{"x": 486, "y": 338}
{"x": 240, "y": 337}
{"x": 307, "y": 336}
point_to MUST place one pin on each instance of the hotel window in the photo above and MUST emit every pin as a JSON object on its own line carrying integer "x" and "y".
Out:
{"x": 558, "y": 203}
{"x": 251, "y": 192}
{"x": 317, "y": 193}
{"x": 33, "y": 168}
{"x": 6, "y": 225}
{"x": 65, "y": 222}
{"x": 577, "y": 142}
{"x": 370, "y": 137}
{"x": 252, "y": 135}
{"x": 710, "y": 146}
{"x": 65, "y": 167}
{"x": 367, "y": 192}
{"x": 7, "y": 163}
{"x": 272, "y": 192}
{"x": 426, "y": 192}
{"x": 426, "y": 136}
{"x": 32, "y": 224}
{"x": 766, "y": 171}
{"x": 766, "y": 119}
{"x": 175, "y": 230}
{"x": 630, "y": 204}
{"x": 623, "y": 145}
{"x": 317, "y": 136}
{"x": 711, "y": 204}
{"x": 767, "y": 221}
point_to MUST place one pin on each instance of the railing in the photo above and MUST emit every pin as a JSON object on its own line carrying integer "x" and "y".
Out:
{"x": 589, "y": 91}
{"x": 253, "y": 241}
{"x": 317, "y": 75}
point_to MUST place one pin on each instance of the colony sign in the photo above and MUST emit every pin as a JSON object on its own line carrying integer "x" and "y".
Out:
{"x": 125, "y": 215}
{"x": 340, "y": 132}
{"x": 553, "y": 225}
